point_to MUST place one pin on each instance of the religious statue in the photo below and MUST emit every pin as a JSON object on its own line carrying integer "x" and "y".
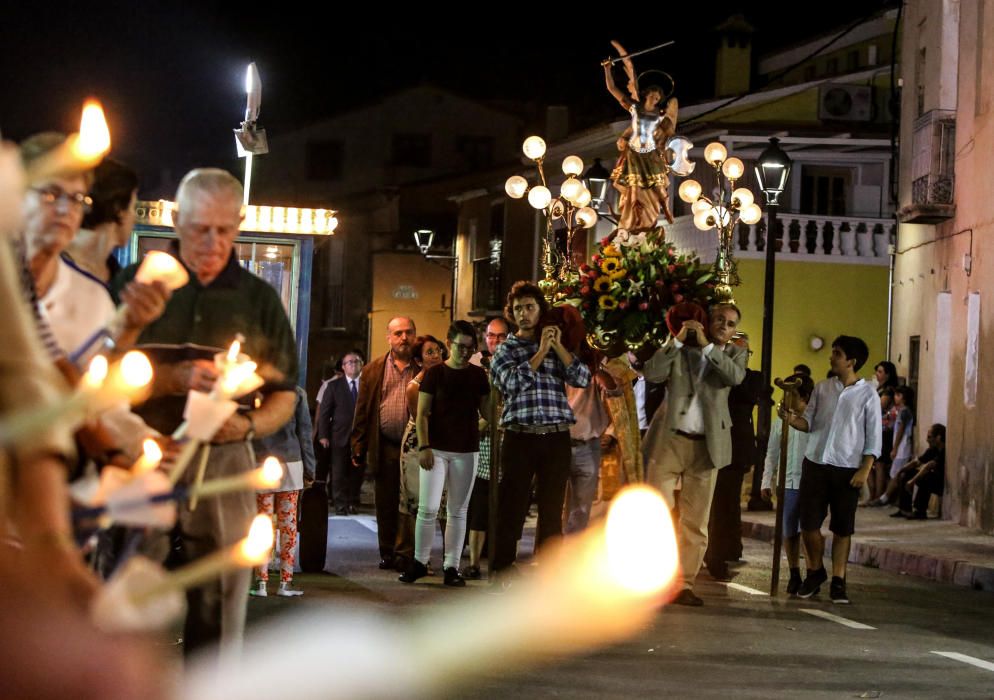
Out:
{"x": 641, "y": 175}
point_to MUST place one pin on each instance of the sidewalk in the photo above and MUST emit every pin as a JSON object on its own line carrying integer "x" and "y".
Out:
{"x": 934, "y": 549}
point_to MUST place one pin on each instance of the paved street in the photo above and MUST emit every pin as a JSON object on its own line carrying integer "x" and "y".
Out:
{"x": 902, "y": 637}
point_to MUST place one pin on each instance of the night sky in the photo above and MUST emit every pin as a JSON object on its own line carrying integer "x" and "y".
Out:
{"x": 171, "y": 78}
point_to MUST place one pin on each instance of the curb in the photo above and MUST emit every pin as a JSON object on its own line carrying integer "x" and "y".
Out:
{"x": 945, "y": 570}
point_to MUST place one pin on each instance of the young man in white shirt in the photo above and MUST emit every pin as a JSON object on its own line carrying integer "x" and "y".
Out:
{"x": 843, "y": 419}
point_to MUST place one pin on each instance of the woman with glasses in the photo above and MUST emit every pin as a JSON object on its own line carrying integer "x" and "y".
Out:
{"x": 453, "y": 395}
{"x": 427, "y": 352}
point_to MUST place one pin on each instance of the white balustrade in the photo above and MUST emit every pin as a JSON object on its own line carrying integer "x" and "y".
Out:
{"x": 850, "y": 240}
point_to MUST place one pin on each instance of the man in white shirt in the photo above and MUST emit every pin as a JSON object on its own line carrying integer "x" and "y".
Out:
{"x": 843, "y": 419}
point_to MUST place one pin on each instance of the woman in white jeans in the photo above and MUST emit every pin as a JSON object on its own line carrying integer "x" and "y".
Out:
{"x": 452, "y": 396}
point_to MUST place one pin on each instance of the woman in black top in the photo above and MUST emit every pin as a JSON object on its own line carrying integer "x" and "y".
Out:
{"x": 453, "y": 395}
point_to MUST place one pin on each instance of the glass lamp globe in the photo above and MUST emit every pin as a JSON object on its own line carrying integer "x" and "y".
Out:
{"x": 586, "y": 217}
{"x": 715, "y": 152}
{"x": 516, "y": 186}
{"x": 689, "y": 191}
{"x": 704, "y": 221}
{"x": 572, "y": 165}
{"x": 733, "y": 168}
{"x": 570, "y": 188}
{"x": 751, "y": 214}
{"x": 583, "y": 199}
{"x": 699, "y": 206}
{"x": 534, "y": 147}
{"x": 744, "y": 197}
{"x": 539, "y": 197}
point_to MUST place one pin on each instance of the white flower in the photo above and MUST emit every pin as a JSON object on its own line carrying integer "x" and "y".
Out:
{"x": 626, "y": 238}
{"x": 635, "y": 286}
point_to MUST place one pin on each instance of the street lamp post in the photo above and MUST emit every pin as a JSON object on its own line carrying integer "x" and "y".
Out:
{"x": 423, "y": 239}
{"x": 772, "y": 170}
{"x": 250, "y": 140}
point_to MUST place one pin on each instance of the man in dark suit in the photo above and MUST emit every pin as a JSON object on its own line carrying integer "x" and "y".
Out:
{"x": 380, "y": 418}
{"x": 335, "y": 415}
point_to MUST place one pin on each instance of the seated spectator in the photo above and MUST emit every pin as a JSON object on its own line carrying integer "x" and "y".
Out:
{"x": 922, "y": 477}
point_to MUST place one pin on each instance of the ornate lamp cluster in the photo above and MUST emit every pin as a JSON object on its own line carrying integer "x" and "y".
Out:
{"x": 572, "y": 206}
{"x": 729, "y": 206}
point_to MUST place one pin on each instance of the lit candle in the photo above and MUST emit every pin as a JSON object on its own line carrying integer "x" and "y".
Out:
{"x": 251, "y": 551}
{"x": 598, "y": 588}
{"x": 150, "y": 459}
{"x": 268, "y": 476}
{"x": 100, "y": 388}
{"x": 158, "y": 266}
{"x": 81, "y": 151}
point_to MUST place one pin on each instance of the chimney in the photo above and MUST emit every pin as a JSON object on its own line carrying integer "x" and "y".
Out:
{"x": 733, "y": 63}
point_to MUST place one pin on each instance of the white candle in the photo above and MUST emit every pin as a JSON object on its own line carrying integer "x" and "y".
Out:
{"x": 251, "y": 551}
{"x": 268, "y": 476}
{"x": 600, "y": 587}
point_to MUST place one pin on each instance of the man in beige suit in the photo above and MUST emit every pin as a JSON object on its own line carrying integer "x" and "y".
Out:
{"x": 691, "y": 441}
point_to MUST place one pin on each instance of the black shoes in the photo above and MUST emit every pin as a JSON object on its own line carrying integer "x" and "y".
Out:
{"x": 353, "y": 510}
{"x": 794, "y": 584}
{"x": 387, "y": 563}
{"x": 453, "y": 578}
{"x": 719, "y": 571}
{"x": 687, "y": 597}
{"x": 415, "y": 571}
{"x": 812, "y": 584}
{"x": 917, "y": 516}
{"x": 837, "y": 591}
{"x": 472, "y": 573}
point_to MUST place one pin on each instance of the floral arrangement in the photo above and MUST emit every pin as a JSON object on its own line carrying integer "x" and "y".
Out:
{"x": 625, "y": 290}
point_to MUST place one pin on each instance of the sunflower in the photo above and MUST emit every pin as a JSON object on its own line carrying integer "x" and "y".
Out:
{"x": 602, "y": 284}
{"x": 610, "y": 251}
{"x": 610, "y": 265}
{"x": 618, "y": 274}
{"x": 608, "y": 302}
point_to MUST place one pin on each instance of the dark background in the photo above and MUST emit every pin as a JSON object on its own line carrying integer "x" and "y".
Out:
{"x": 171, "y": 77}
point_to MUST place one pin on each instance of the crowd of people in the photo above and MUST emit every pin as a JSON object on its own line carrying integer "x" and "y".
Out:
{"x": 442, "y": 428}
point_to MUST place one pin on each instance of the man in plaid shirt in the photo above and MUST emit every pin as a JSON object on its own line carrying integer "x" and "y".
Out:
{"x": 530, "y": 370}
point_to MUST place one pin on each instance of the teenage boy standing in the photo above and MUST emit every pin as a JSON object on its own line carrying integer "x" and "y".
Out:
{"x": 843, "y": 417}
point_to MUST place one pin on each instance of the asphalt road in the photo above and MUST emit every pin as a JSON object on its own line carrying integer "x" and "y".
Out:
{"x": 901, "y": 637}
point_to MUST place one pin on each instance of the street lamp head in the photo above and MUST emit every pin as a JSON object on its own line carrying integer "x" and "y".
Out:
{"x": 733, "y": 168}
{"x": 596, "y": 180}
{"x": 539, "y": 197}
{"x": 423, "y": 238}
{"x": 772, "y": 171}
{"x": 689, "y": 191}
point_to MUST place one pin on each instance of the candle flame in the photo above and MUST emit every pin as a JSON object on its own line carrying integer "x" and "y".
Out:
{"x": 255, "y": 548}
{"x": 96, "y": 373}
{"x": 641, "y": 543}
{"x": 152, "y": 455}
{"x": 94, "y": 135}
{"x": 136, "y": 369}
{"x": 239, "y": 375}
{"x": 234, "y": 350}
{"x": 270, "y": 474}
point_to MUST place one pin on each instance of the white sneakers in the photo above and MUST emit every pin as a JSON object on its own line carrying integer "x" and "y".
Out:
{"x": 259, "y": 589}
{"x": 286, "y": 592}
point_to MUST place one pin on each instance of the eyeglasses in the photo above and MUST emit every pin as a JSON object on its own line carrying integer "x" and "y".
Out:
{"x": 75, "y": 200}
{"x": 497, "y": 336}
{"x": 352, "y": 362}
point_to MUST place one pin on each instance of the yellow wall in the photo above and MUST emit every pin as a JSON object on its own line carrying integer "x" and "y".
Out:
{"x": 397, "y": 276}
{"x": 821, "y": 299}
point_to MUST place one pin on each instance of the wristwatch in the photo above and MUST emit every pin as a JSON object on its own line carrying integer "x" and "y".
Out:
{"x": 250, "y": 433}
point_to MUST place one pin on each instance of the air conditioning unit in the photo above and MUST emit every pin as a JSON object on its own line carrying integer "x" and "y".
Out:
{"x": 848, "y": 103}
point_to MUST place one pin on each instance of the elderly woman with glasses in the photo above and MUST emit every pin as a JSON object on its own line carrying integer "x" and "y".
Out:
{"x": 453, "y": 395}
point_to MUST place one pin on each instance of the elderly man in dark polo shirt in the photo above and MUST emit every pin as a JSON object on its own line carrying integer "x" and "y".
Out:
{"x": 221, "y": 300}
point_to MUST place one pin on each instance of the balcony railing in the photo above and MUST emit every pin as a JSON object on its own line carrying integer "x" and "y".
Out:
{"x": 799, "y": 237}
{"x": 933, "y": 145}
